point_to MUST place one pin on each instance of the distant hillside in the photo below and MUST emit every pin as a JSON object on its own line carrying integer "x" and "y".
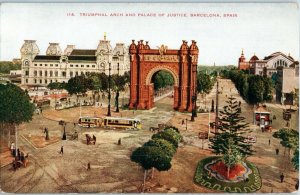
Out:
{"x": 211, "y": 69}
{"x": 6, "y": 66}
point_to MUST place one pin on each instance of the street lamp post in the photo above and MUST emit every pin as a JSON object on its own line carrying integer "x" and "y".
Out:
{"x": 193, "y": 110}
{"x": 108, "y": 107}
{"x": 117, "y": 95}
{"x": 186, "y": 124}
{"x": 217, "y": 105}
{"x": 194, "y": 97}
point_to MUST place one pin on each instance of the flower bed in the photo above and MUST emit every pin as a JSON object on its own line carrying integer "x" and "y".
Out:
{"x": 237, "y": 173}
{"x": 205, "y": 176}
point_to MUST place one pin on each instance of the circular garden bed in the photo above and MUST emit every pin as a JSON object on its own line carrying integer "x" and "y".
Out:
{"x": 212, "y": 173}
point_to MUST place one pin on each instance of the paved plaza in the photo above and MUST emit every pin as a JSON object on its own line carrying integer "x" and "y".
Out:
{"x": 111, "y": 170}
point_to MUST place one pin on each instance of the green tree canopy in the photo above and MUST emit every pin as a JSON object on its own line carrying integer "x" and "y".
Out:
{"x": 162, "y": 79}
{"x": 164, "y": 145}
{"x": 149, "y": 157}
{"x": 295, "y": 159}
{"x": 204, "y": 83}
{"x": 56, "y": 85}
{"x": 15, "y": 105}
{"x": 167, "y": 135}
{"x": 7, "y": 66}
{"x": 289, "y": 137}
{"x": 79, "y": 84}
{"x": 232, "y": 127}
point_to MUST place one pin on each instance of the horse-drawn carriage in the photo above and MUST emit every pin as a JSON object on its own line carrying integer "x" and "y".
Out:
{"x": 90, "y": 140}
{"x": 159, "y": 128}
{"x": 20, "y": 161}
{"x": 73, "y": 136}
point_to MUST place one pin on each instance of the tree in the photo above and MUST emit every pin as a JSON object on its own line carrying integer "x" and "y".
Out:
{"x": 7, "y": 66}
{"x": 232, "y": 127}
{"x": 15, "y": 105}
{"x": 256, "y": 89}
{"x": 162, "y": 79}
{"x": 79, "y": 84}
{"x": 149, "y": 157}
{"x": 232, "y": 155}
{"x": 289, "y": 138}
{"x": 170, "y": 137}
{"x": 164, "y": 145}
{"x": 56, "y": 85}
{"x": 204, "y": 83}
{"x": 295, "y": 159}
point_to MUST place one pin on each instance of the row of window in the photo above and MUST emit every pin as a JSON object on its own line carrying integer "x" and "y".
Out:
{"x": 41, "y": 81}
{"x": 280, "y": 63}
{"x": 64, "y": 74}
{"x": 51, "y": 65}
{"x": 82, "y": 66}
{"x": 71, "y": 65}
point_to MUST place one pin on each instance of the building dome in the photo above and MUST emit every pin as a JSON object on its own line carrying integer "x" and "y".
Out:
{"x": 29, "y": 47}
{"x": 254, "y": 58}
{"x": 104, "y": 47}
{"x": 53, "y": 50}
{"x": 120, "y": 49}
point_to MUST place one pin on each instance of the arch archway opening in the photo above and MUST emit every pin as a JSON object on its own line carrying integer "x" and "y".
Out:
{"x": 163, "y": 82}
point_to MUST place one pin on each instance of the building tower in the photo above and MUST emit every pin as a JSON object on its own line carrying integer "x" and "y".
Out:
{"x": 28, "y": 52}
{"x": 243, "y": 65}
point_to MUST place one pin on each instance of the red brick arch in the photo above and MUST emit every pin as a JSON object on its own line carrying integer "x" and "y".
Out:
{"x": 158, "y": 68}
{"x": 144, "y": 62}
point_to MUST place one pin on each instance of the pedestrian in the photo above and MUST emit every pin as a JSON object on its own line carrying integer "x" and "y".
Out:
{"x": 12, "y": 148}
{"x": 41, "y": 110}
{"x": 277, "y": 151}
{"x": 274, "y": 117}
{"x": 271, "y": 121}
{"x": 269, "y": 141}
{"x": 281, "y": 177}
{"x": 182, "y": 122}
{"x": 62, "y": 150}
{"x": 88, "y": 166}
{"x": 74, "y": 124}
{"x": 297, "y": 185}
{"x": 18, "y": 152}
{"x": 94, "y": 138}
{"x": 119, "y": 141}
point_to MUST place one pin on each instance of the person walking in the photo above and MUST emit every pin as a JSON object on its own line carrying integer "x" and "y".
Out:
{"x": 277, "y": 151}
{"x": 89, "y": 166}
{"x": 94, "y": 138}
{"x": 182, "y": 122}
{"x": 297, "y": 185}
{"x": 119, "y": 141}
{"x": 269, "y": 141}
{"x": 281, "y": 177}
{"x": 62, "y": 150}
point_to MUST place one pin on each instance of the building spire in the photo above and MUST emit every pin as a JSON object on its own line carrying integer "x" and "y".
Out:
{"x": 104, "y": 36}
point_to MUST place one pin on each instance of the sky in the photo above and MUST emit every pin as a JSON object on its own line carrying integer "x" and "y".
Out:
{"x": 259, "y": 29}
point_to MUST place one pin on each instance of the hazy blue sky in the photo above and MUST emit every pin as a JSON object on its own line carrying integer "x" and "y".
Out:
{"x": 258, "y": 28}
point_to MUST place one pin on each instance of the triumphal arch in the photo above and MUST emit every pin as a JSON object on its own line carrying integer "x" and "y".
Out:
{"x": 145, "y": 62}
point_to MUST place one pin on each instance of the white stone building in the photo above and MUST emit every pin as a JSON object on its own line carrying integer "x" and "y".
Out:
{"x": 58, "y": 66}
{"x": 269, "y": 64}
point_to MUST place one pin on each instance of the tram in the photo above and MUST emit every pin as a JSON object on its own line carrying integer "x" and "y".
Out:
{"x": 87, "y": 121}
{"x": 119, "y": 122}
